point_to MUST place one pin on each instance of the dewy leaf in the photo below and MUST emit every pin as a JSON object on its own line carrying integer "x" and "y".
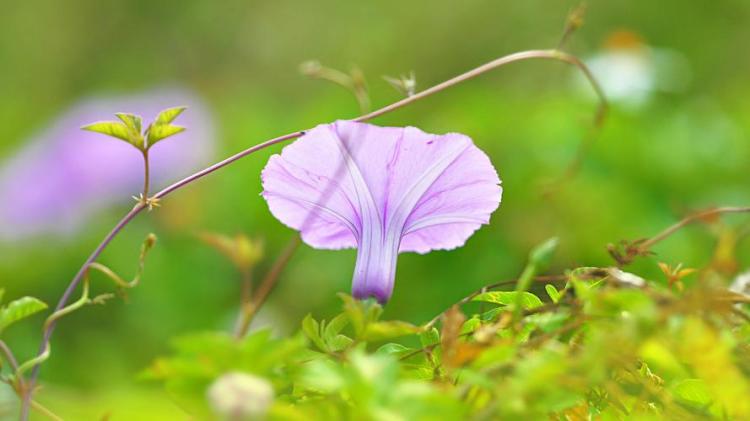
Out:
{"x": 528, "y": 300}
{"x": 109, "y": 128}
{"x": 18, "y": 310}
{"x": 158, "y": 132}
{"x": 167, "y": 116}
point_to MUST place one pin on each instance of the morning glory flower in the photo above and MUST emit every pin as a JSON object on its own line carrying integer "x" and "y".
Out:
{"x": 62, "y": 175}
{"x": 383, "y": 190}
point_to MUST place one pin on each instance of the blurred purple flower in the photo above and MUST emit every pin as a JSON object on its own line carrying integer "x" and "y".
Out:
{"x": 383, "y": 190}
{"x": 63, "y": 175}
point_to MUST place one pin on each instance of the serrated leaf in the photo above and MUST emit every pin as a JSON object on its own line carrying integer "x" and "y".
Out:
{"x": 167, "y": 116}
{"x": 505, "y": 298}
{"x": 554, "y": 295}
{"x": 109, "y": 128}
{"x": 19, "y": 310}
{"x": 159, "y": 132}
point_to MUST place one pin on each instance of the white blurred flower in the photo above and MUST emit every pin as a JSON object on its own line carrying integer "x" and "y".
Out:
{"x": 626, "y": 278}
{"x": 741, "y": 284}
{"x": 240, "y": 396}
{"x": 630, "y": 71}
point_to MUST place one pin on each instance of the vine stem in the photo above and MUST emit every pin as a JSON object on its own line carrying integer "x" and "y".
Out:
{"x": 146, "y": 174}
{"x": 551, "y": 54}
{"x": 251, "y": 306}
{"x": 9, "y": 355}
{"x": 646, "y": 245}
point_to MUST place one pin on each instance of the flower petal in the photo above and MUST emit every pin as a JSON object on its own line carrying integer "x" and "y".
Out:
{"x": 384, "y": 190}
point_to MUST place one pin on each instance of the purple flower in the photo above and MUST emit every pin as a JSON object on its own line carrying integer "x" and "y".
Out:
{"x": 64, "y": 175}
{"x": 384, "y": 190}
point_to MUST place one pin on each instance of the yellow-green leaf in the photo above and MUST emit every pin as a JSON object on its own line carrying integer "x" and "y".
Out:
{"x": 109, "y": 128}
{"x": 528, "y": 300}
{"x": 693, "y": 392}
{"x": 132, "y": 121}
{"x": 19, "y": 310}
{"x": 167, "y": 116}
{"x": 379, "y": 331}
{"x": 158, "y": 132}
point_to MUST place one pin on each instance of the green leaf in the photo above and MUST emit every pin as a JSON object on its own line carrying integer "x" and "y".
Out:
{"x": 554, "y": 295}
{"x": 379, "y": 331}
{"x": 541, "y": 255}
{"x": 167, "y": 116}
{"x": 18, "y": 310}
{"x": 158, "y": 132}
{"x": 471, "y": 325}
{"x": 339, "y": 342}
{"x": 311, "y": 329}
{"x": 505, "y": 298}
{"x": 360, "y": 313}
{"x": 395, "y": 349}
{"x": 132, "y": 121}
{"x": 109, "y": 128}
{"x": 335, "y": 326}
{"x": 693, "y": 392}
{"x": 2, "y": 293}
{"x": 429, "y": 337}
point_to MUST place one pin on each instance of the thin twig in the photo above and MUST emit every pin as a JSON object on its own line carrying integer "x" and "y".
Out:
{"x": 9, "y": 355}
{"x": 646, "y": 245}
{"x": 45, "y": 411}
{"x": 572, "y": 23}
{"x": 554, "y": 55}
{"x": 266, "y": 286}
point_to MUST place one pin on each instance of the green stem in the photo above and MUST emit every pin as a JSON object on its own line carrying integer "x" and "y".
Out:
{"x": 146, "y": 175}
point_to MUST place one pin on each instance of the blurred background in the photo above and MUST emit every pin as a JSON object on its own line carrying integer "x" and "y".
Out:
{"x": 675, "y": 141}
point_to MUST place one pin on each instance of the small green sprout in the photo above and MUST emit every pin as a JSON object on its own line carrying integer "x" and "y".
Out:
{"x": 130, "y": 130}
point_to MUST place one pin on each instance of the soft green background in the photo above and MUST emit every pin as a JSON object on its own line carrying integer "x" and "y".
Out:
{"x": 650, "y": 165}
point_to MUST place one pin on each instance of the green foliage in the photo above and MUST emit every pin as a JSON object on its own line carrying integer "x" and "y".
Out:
{"x": 201, "y": 358}
{"x": 600, "y": 349}
{"x": 506, "y": 298}
{"x": 130, "y": 128}
{"x": 18, "y": 310}
{"x": 110, "y": 128}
